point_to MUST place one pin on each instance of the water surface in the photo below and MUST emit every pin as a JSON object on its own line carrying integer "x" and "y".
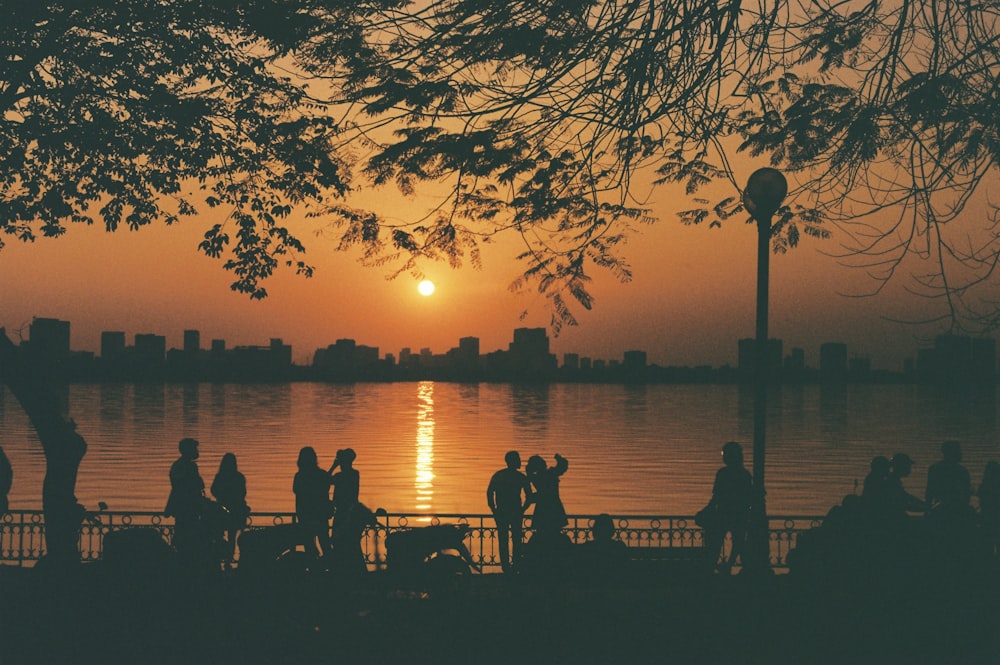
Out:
{"x": 431, "y": 447}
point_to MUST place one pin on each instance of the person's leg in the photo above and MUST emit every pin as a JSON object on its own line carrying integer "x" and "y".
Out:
{"x": 503, "y": 541}
{"x": 517, "y": 536}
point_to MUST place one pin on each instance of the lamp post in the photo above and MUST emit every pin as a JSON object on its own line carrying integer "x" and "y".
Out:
{"x": 765, "y": 190}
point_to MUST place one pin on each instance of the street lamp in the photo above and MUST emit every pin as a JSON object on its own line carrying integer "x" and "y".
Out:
{"x": 766, "y": 189}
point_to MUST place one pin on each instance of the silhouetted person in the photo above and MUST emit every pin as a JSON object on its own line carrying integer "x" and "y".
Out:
{"x": 6, "y": 481}
{"x": 312, "y": 502}
{"x": 544, "y": 557}
{"x": 603, "y": 557}
{"x": 507, "y": 496}
{"x": 549, "y": 516}
{"x": 187, "y": 499}
{"x": 876, "y": 494}
{"x": 732, "y": 494}
{"x": 901, "y": 501}
{"x": 348, "y": 522}
{"x": 989, "y": 504}
{"x": 949, "y": 486}
{"x": 230, "y": 489}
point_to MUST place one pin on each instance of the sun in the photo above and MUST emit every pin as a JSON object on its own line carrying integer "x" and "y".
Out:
{"x": 426, "y": 287}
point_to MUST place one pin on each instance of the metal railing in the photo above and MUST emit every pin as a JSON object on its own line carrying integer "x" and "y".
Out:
{"x": 22, "y": 533}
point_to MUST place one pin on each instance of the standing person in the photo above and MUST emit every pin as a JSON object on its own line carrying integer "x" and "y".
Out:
{"x": 549, "y": 516}
{"x": 230, "y": 489}
{"x": 507, "y": 496}
{"x": 6, "y": 481}
{"x": 732, "y": 494}
{"x": 348, "y": 522}
{"x": 187, "y": 499}
{"x": 312, "y": 502}
{"x": 989, "y": 505}
{"x": 949, "y": 486}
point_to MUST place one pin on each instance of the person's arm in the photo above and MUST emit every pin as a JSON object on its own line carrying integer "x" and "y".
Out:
{"x": 915, "y": 505}
{"x": 561, "y": 465}
{"x": 491, "y": 494}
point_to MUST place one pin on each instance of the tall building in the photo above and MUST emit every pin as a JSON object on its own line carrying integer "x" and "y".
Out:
{"x": 112, "y": 345}
{"x": 49, "y": 338}
{"x": 833, "y": 361}
{"x": 957, "y": 359}
{"x": 150, "y": 348}
{"x": 634, "y": 360}
{"x": 192, "y": 342}
{"x": 469, "y": 346}
{"x": 528, "y": 355}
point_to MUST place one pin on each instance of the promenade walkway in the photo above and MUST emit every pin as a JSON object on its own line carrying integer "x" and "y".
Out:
{"x": 93, "y": 616}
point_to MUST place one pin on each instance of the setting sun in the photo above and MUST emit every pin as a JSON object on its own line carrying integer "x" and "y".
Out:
{"x": 426, "y": 287}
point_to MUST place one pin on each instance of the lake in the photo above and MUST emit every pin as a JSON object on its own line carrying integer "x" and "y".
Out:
{"x": 431, "y": 447}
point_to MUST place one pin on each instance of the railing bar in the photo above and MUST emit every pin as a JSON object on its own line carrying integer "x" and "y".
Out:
{"x": 636, "y": 530}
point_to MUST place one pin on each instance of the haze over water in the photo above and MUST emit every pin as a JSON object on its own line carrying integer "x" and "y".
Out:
{"x": 431, "y": 447}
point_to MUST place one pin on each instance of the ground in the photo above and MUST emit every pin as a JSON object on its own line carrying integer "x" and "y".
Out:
{"x": 93, "y": 615}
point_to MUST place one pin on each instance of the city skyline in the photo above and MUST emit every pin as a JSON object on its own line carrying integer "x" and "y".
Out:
{"x": 54, "y": 336}
{"x": 691, "y": 293}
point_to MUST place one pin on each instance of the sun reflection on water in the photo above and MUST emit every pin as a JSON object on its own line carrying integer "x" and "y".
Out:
{"x": 424, "y": 480}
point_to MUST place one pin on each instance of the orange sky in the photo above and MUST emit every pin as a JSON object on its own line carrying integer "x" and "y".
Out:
{"x": 692, "y": 297}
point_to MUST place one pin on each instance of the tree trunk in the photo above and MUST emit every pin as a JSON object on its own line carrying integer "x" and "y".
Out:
{"x": 64, "y": 449}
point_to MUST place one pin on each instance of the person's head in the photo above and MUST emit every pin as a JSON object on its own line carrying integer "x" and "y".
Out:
{"x": 901, "y": 464}
{"x": 188, "y": 448}
{"x": 951, "y": 451}
{"x": 880, "y": 465}
{"x": 228, "y": 463}
{"x": 732, "y": 454}
{"x": 513, "y": 459}
{"x": 535, "y": 464}
{"x": 307, "y": 458}
{"x": 346, "y": 457}
{"x": 604, "y": 527}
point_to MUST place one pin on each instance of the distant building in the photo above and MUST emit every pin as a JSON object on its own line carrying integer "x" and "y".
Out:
{"x": 150, "y": 348}
{"x": 273, "y": 361}
{"x": 795, "y": 361}
{"x": 634, "y": 366}
{"x": 833, "y": 362}
{"x": 192, "y": 342}
{"x": 859, "y": 367}
{"x": 49, "y": 338}
{"x": 463, "y": 361}
{"x": 113, "y": 346}
{"x": 149, "y": 355}
{"x": 959, "y": 359}
{"x": 528, "y": 354}
{"x": 345, "y": 359}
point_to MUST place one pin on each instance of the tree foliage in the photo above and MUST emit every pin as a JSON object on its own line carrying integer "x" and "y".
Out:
{"x": 548, "y": 120}
{"x": 541, "y": 115}
{"x": 126, "y": 112}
